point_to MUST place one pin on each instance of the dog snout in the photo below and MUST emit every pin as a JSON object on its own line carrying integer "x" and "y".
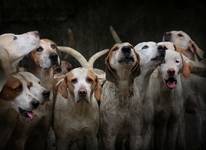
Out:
{"x": 82, "y": 92}
{"x": 126, "y": 50}
{"x": 46, "y": 94}
{"x": 54, "y": 58}
{"x": 35, "y": 104}
{"x": 171, "y": 72}
{"x": 167, "y": 36}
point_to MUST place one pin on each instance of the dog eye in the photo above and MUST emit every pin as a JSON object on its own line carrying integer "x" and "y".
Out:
{"x": 73, "y": 81}
{"x": 14, "y": 38}
{"x": 40, "y": 49}
{"x": 29, "y": 85}
{"x": 114, "y": 49}
{"x": 177, "y": 61}
{"x": 89, "y": 80}
{"x": 180, "y": 35}
{"x": 145, "y": 47}
{"x": 53, "y": 46}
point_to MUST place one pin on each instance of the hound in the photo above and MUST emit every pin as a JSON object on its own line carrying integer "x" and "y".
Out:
{"x": 41, "y": 60}
{"x": 21, "y": 97}
{"x": 13, "y": 47}
{"x": 120, "y": 109}
{"x": 151, "y": 55}
{"x": 168, "y": 100}
{"x": 76, "y": 117}
{"x": 194, "y": 92}
{"x": 184, "y": 44}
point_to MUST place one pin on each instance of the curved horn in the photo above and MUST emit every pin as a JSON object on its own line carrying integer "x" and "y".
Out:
{"x": 94, "y": 57}
{"x": 115, "y": 35}
{"x": 74, "y": 53}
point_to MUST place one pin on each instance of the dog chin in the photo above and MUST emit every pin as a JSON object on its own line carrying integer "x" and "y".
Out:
{"x": 170, "y": 83}
{"x": 28, "y": 114}
{"x": 82, "y": 100}
{"x": 127, "y": 60}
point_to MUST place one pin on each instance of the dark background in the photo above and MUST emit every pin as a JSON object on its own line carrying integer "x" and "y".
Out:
{"x": 135, "y": 21}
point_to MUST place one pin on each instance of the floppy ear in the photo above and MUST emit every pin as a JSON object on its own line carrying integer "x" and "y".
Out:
{"x": 135, "y": 71}
{"x": 27, "y": 62}
{"x": 97, "y": 91}
{"x": 11, "y": 89}
{"x": 111, "y": 74}
{"x": 196, "y": 50}
{"x": 62, "y": 88}
{"x": 186, "y": 68}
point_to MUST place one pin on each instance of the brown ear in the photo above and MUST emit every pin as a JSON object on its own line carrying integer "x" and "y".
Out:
{"x": 62, "y": 88}
{"x": 12, "y": 88}
{"x": 111, "y": 74}
{"x": 196, "y": 50}
{"x": 97, "y": 91}
{"x": 186, "y": 68}
{"x": 135, "y": 71}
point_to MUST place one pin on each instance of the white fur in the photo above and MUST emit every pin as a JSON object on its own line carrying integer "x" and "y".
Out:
{"x": 74, "y": 121}
{"x": 34, "y": 93}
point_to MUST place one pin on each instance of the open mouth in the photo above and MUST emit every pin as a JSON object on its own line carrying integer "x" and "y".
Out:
{"x": 127, "y": 60}
{"x": 26, "y": 113}
{"x": 171, "y": 83}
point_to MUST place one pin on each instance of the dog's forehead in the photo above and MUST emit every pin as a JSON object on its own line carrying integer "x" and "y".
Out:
{"x": 180, "y": 32}
{"x": 171, "y": 54}
{"x": 143, "y": 45}
{"x": 168, "y": 45}
{"x": 79, "y": 73}
{"x": 83, "y": 73}
{"x": 47, "y": 44}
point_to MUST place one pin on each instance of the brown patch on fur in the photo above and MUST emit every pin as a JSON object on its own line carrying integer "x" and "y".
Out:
{"x": 135, "y": 71}
{"x": 11, "y": 89}
{"x": 111, "y": 74}
{"x": 186, "y": 69}
{"x": 62, "y": 89}
{"x": 96, "y": 87}
{"x": 69, "y": 77}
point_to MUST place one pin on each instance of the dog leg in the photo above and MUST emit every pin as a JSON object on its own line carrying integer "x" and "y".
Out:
{"x": 109, "y": 142}
{"x": 91, "y": 142}
{"x": 62, "y": 143}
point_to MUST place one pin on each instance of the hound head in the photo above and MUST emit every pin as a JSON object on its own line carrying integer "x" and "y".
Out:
{"x": 24, "y": 92}
{"x": 149, "y": 51}
{"x": 45, "y": 56}
{"x": 184, "y": 44}
{"x": 122, "y": 63}
{"x": 21, "y": 44}
{"x": 170, "y": 68}
{"x": 81, "y": 84}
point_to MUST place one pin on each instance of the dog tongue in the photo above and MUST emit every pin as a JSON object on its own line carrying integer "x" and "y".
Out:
{"x": 30, "y": 115}
{"x": 171, "y": 85}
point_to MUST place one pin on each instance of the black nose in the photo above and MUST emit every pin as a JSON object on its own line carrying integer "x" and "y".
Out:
{"x": 167, "y": 36}
{"x": 126, "y": 50}
{"x": 171, "y": 72}
{"x": 46, "y": 94}
{"x": 35, "y": 104}
{"x": 53, "y": 57}
{"x": 82, "y": 92}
